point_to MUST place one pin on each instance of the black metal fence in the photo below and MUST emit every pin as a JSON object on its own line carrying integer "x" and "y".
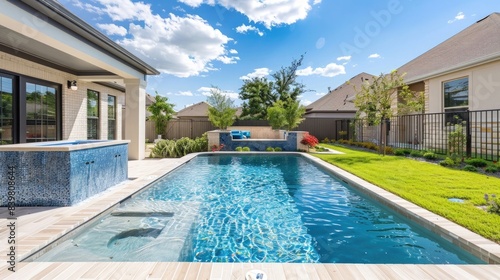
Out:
{"x": 466, "y": 133}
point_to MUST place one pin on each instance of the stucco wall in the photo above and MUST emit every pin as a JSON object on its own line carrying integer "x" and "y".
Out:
{"x": 484, "y": 88}
{"x": 74, "y": 103}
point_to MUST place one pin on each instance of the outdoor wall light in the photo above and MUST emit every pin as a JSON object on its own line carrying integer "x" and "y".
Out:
{"x": 72, "y": 85}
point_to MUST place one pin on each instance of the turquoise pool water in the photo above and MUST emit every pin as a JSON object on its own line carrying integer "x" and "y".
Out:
{"x": 256, "y": 208}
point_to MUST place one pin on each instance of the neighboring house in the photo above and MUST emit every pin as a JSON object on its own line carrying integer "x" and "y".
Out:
{"x": 463, "y": 72}
{"x": 198, "y": 111}
{"x": 338, "y": 103}
{"x": 461, "y": 81}
{"x": 61, "y": 79}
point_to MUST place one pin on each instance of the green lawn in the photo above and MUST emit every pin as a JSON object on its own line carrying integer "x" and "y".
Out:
{"x": 427, "y": 185}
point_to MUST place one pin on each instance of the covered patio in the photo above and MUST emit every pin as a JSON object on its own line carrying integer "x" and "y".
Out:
{"x": 46, "y": 49}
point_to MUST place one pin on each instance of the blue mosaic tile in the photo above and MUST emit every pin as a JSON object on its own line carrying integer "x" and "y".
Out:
{"x": 62, "y": 178}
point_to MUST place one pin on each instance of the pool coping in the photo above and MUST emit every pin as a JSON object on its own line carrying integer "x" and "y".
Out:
{"x": 69, "y": 218}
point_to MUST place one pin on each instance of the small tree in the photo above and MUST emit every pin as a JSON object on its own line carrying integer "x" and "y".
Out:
{"x": 161, "y": 112}
{"x": 286, "y": 115}
{"x": 276, "y": 115}
{"x": 222, "y": 111}
{"x": 376, "y": 97}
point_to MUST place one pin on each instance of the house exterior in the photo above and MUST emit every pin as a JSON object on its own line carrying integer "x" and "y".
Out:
{"x": 461, "y": 81}
{"x": 338, "y": 103}
{"x": 463, "y": 72}
{"x": 61, "y": 79}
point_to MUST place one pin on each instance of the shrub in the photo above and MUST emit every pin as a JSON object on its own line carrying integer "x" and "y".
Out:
{"x": 407, "y": 152}
{"x": 389, "y": 150}
{"x": 477, "y": 162}
{"x": 491, "y": 169}
{"x": 430, "y": 156}
{"x": 270, "y": 149}
{"x": 399, "y": 152}
{"x": 416, "y": 154}
{"x": 326, "y": 140}
{"x": 309, "y": 140}
{"x": 470, "y": 168}
{"x": 246, "y": 149}
{"x": 447, "y": 162}
{"x": 238, "y": 149}
{"x": 494, "y": 203}
{"x": 369, "y": 145}
{"x": 278, "y": 149}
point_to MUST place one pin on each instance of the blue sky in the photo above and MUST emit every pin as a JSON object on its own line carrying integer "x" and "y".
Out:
{"x": 197, "y": 44}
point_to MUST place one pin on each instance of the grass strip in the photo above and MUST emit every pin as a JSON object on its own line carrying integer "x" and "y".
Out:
{"x": 427, "y": 185}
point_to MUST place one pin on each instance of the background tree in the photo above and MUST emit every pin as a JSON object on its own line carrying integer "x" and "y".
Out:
{"x": 259, "y": 94}
{"x": 286, "y": 115}
{"x": 222, "y": 111}
{"x": 161, "y": 112}
{"x": 376, "y": 98}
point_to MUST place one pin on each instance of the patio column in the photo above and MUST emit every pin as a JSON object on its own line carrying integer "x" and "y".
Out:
{"x": 135, "y": 110}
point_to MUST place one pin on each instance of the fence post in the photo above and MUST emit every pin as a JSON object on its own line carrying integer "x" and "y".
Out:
{"x": 468, "y": 132}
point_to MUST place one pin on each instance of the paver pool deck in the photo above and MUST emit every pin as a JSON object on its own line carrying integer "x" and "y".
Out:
{"x": 37, "y": 227}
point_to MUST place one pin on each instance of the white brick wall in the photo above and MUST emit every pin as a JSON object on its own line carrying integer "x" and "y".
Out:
{"x": 74, "y": 103}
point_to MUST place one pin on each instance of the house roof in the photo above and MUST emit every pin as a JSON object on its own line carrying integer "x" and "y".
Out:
{"x": 339, "y": 99}
{"x": 477, "y": 44}
{"x": 195, "y": 110}
{"x": 56, "y": 15}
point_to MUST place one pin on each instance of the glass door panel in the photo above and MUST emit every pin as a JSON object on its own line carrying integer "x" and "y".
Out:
{"x": 6, "y": 110}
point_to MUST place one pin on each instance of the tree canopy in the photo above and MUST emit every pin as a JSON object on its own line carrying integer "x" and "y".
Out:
{"x": 161, "y": 112}
{"x": 259, "y": 94}
{"x": 222, "y": 111}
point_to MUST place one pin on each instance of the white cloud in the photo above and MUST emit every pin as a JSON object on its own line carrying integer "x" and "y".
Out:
{"x": 348, "y": 57}
{"x": 185, "y": 93}
{"x": 258, "y": 73}
{"x": 268, "y": 12}
{"x": 87, "y": 7}
{"x": 374, "y": 55}
{"x": 245, "y": 28}
{"x": 305, "y": 102}
{"x": 320, "y": 93}
{"x": 330, "y": 70}
{"x": 233, "y": 51}
{"x": 207, "y": 91}
{"x": 113, "y": 29}
{"x": 459, "y": 16}
{"x": 183, "y": 46}
{"x": 228, "y": 59}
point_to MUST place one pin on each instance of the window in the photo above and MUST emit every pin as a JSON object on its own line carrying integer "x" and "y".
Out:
{"x": 6, "y": 109}
{"x": 456, "y": 100}
{"x": 30, "y": 109}
{"x": 92, "y": 114}
{"x": 111, "y": 117}
{"x": 41, "y": 108}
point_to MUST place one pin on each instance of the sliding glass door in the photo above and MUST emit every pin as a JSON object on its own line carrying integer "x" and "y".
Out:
{"x": 6, "y": 109}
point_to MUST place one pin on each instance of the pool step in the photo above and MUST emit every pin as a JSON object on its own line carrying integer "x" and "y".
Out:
{"x": 141, "y": 214}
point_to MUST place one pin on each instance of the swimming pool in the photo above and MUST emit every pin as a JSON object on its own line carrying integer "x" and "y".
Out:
{"x": 255, "y": 208}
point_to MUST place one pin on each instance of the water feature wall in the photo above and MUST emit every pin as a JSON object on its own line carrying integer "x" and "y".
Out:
{"x": 291, "y": 142}
{"x": 60, "y": 174}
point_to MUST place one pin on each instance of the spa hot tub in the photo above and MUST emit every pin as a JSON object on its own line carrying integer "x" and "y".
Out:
{"x": 60, "y": 173}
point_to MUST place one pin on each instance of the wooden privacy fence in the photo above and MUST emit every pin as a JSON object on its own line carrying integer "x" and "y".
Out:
{"x": 320, "y": 127}
{"x": 177, "y": 129}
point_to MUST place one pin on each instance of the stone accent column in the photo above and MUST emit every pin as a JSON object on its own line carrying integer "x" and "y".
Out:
{"x": 213, "y": 138}
{"x": 300, "y": 135}
{"x": 135, "y": 105}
